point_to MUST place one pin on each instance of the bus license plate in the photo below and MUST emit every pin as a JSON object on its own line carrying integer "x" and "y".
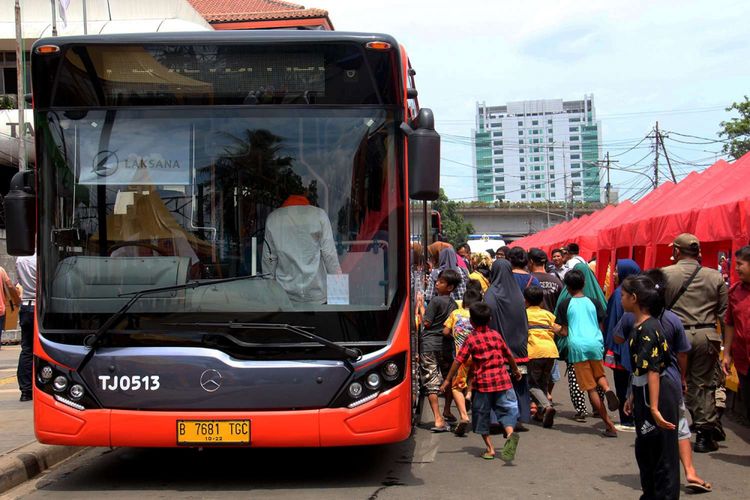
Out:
{"x": 213, "y": 432}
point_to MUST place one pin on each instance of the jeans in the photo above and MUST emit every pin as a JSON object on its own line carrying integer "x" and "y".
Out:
{"x": 502, "y": 405}
{"x": 521, "y": 388}
{"x": 26, "y": 358}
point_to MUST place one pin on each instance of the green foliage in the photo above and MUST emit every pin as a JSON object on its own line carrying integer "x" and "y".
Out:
{"x": 455, "y": 228}
{"x": 737, "y": 130}
{"x": 7, "y": 102}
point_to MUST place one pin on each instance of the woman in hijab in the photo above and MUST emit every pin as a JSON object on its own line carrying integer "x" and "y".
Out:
{"x": 448, "y": 259}
{"x": 617, "y": 355}
{"x": 591, "y": 290}
{"x": 509, "y": 318}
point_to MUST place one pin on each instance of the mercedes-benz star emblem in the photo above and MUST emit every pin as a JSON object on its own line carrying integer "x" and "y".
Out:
{"x": 210, "y": 380}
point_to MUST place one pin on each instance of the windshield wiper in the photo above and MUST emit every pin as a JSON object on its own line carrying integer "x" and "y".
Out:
{"x": 95, "y": 339}
{"x": 353, "y": 354}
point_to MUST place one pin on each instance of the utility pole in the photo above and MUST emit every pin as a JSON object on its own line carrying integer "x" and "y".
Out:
{"x": 656, "y": 159}
{"x": 20, "y": 96}
{"x": 565, "y": 181}
{"x": 85, "y": 21}
{"x": 54, "y": 17}
{"x": 669, "y": 163}
{"x": 609, "y": 185}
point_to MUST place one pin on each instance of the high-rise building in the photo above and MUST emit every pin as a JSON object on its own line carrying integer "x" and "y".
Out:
{"x": 539, "y": 150}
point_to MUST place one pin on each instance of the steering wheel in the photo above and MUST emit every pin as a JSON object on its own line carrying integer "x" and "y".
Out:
{"x": 151, "y": 247}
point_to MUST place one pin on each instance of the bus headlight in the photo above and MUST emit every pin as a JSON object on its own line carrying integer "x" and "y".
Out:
{"x": 390, "y": 371}
{"x": 373, "y": 381}
{"x": 46, "y": 373}
{"x": 76, "y": 392}
{"x": 60, "y": 383}
{"x": 355, "y": 390}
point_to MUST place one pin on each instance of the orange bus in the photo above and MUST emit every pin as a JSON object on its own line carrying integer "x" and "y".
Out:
{"x": 222, "y": 228}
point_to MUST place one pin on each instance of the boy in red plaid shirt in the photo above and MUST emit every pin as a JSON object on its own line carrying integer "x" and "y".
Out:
{"x": 492, "y": 385}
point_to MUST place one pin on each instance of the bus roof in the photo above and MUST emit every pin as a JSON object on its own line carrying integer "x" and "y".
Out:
{"x": 223, "y": 36}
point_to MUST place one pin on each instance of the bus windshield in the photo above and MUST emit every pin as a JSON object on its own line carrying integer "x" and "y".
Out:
{"x": 306, "y": 199}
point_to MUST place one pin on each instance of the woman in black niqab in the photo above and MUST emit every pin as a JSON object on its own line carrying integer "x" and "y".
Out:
{"x": 509, "y": 318}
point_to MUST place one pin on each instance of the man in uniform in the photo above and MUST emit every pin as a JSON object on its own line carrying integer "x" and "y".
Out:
{"x": 698, "y": 295}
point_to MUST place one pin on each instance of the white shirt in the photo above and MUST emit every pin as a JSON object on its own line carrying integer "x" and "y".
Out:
{"x": 573, "y": 262}
{"x": 26, "y": 272}
{"x": 299, "y": 252}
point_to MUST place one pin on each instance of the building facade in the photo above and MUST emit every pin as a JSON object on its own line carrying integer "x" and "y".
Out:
{"x": 537, "y": 151}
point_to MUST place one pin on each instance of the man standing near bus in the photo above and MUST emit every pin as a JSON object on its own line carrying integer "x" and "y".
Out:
{"x": 299, "y": 251}
{"x": 698, "y": 295}
{"x": 26, "y": 272}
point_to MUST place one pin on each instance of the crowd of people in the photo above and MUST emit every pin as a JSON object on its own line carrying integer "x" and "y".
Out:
{"x": 497, "y": 330}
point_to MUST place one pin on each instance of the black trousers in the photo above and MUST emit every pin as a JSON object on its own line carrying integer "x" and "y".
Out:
{"x": 656, "y": 449}
{"x": 622, "y": 381}
{"x": 26, "y": 358}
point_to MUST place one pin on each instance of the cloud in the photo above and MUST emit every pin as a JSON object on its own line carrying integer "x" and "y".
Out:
{"x": 564, "y": 44}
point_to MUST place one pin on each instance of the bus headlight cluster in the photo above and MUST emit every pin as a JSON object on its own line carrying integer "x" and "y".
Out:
{"x": 62, "y": 384}
{"x": 370, "y": 382}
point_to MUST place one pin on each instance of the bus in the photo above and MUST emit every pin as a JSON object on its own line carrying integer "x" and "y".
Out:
{"x": 169, "y": 313}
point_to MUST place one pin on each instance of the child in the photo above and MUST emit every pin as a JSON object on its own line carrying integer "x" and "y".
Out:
{"x": 493, "y": 387}
{"x": 580, "y": 319}
{"x": 432, "y": 363}
{"x": 542, "y": 352}
{"x": 458, "y": 326}
{"x": 737, "y": 334}
{"x": 655, "y": 399}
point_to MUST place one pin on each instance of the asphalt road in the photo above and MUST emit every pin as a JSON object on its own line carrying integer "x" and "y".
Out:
{"x": 569, "y": 461}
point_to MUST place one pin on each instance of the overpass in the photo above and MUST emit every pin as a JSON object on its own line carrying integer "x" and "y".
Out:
{"x": 515, "y": 222}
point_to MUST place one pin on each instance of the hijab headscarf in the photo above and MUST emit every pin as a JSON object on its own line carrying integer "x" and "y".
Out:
{"x": 448, "y": 259}
{"x": 508, "y": 309}
{"x": 591, "y": 288}
{"x": 618, "y": 355}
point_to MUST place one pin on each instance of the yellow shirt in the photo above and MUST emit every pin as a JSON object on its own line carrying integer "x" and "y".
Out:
{"x": 481, "y": 279}
{"x": 541, "y": 337}
{"x": 460, "y": 326}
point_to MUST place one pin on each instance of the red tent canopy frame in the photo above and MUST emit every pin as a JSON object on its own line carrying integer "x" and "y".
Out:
{"x": 714, "y": 205}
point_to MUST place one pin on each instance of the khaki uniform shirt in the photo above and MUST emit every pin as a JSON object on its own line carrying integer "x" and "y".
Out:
{"x": 705, "y": 300}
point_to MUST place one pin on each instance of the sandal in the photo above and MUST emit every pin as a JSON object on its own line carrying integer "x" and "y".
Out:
{"x": 444, "y": 428}
{"x": 699, "y": 487}
{"x": 609, "y": 433}
{"x": 450, "y": 418}
{"x": 461, "y": 428}
{"x": 488, "y": 456}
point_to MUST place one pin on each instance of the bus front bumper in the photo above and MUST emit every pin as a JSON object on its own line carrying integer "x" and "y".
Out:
{"x": 385, "y": 419}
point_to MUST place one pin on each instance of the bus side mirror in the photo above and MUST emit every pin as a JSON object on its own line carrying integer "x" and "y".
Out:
{"x": 20, "y": 214}
{"x": 423, "y": 144}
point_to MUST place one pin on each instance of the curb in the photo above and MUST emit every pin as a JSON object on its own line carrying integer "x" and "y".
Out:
{"x": 28, "y": 461}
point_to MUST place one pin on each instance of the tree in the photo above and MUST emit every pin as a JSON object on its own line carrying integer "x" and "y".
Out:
{"x": 737, "y": 130}
{"x": 455, "y": 228}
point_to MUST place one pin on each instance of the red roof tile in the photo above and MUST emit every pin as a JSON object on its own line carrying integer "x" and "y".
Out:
{"x": 253, "y": 10}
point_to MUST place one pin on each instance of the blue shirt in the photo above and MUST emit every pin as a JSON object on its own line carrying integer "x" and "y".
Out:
{"x": 582, "y": 317}
{"x": 525, "y": 280}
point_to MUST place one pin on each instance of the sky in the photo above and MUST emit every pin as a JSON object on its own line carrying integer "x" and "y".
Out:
{"x": 680, "y": 63}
